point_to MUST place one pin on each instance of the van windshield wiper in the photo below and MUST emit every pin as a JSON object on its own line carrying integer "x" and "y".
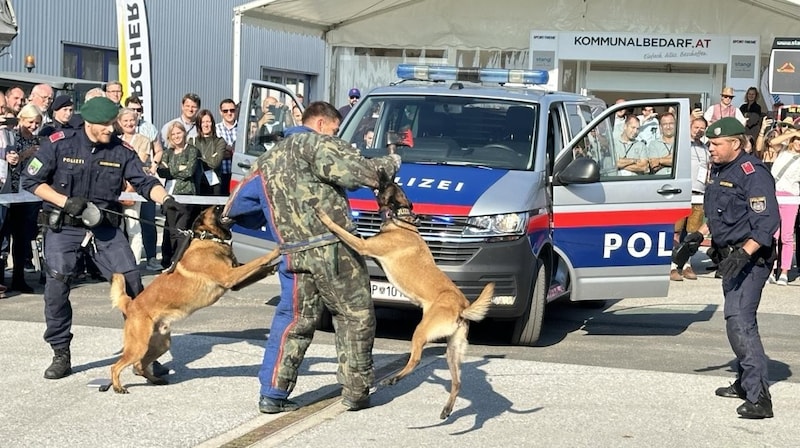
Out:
{"x": 454, "y": 163}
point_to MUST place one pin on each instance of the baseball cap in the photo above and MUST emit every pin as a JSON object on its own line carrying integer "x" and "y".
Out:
{"x": 354, "y": 93}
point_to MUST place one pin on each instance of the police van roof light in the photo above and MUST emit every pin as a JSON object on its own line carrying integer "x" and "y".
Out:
{"x": 471, "y": 74}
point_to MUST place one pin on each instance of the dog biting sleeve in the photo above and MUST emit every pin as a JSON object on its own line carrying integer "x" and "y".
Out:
{"x": 248, "y": 205}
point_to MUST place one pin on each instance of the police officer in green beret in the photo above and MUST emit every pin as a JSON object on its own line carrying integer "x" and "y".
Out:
{"x": 743, "y": 216}
{"x": 79, "y": 175}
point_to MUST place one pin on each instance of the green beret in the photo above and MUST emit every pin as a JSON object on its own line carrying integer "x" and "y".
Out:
{"x": 725, "y": 127}
{"x": 99, "y": 110}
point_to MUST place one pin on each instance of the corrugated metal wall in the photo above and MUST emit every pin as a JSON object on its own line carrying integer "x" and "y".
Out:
{"x": 191, "y": 45}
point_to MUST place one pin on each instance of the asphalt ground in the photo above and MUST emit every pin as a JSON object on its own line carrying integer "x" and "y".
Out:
{"x": 504, "y": 401}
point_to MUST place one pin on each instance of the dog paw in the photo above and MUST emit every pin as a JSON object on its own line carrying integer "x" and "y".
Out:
{"x": 445, "y": 413}
{"x": 121, "y": 390}
{"x": 389, "y": 381}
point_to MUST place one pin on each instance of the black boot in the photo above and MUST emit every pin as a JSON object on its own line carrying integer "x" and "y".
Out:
{"x": 60, "y": 366}
{"x": 758, "y": 410}
{"x": 18, "y": 280}
{"x": 3, "y": 271}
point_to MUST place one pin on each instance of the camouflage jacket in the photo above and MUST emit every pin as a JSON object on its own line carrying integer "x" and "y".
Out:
{"x": 307, "y": 171}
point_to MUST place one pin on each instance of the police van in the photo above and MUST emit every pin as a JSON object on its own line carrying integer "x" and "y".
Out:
{"x": 514, "y": 184}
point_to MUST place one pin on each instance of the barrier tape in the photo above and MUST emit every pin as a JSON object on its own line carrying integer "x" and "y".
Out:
{"x": 26, "y": 196}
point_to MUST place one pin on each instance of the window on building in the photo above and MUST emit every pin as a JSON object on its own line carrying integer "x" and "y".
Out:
{"x": 298, "y": 83}
{"x": 92, "y": 63}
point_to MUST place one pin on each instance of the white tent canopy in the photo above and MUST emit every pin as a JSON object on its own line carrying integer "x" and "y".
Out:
{"x": 506, "y": 24}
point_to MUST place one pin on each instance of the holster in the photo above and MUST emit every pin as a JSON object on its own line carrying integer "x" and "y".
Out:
{"x": 52, "y": 220}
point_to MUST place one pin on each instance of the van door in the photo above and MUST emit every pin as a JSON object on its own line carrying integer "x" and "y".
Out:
{"x": 265, "y": 111}
{"x": 614, "y": 228}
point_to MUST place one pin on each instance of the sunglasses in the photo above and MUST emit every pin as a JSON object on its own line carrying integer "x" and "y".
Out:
{"x": 354, "y": 97}
{"x": 228, "y": 111}
{"x": 727, "y": 96}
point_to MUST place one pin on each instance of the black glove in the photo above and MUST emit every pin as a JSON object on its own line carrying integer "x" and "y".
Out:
{"x": 169, "y": 204}
{"x": 733, "y": 264}
{"x": 685, "y": 250}
{"x": 75, "y": 205}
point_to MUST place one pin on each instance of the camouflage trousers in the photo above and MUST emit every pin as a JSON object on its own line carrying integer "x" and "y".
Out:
{"x": 335, "y": 277}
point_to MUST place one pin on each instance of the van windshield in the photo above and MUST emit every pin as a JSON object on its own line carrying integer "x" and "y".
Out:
{"x": 448, "y": 129}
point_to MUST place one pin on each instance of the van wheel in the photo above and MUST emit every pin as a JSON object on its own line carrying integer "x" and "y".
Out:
{"x": 529, "y": 326}
{"x": 325, "y": 322}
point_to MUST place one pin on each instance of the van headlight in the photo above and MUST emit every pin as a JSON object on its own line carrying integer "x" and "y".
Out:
{"x": 506, "y": 224}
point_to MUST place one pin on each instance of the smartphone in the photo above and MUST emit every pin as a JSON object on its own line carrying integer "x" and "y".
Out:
{"x": 697, "y": 106}
{"x": 9, "y": 121}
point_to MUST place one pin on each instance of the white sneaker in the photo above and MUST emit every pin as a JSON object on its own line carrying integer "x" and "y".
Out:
{"x": 154, "y": 265}
{"x": 771, "y": 279}
{"x": 783, "y": 280}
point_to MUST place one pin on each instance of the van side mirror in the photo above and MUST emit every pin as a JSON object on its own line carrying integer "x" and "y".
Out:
{"x": 583, "y": 170}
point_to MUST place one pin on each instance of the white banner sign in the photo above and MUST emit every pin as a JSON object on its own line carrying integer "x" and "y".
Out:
{"x": 601, "y": 46}
{"x": 134, "y": 53}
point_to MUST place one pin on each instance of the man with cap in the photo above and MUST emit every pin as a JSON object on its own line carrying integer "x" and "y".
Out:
{"x": 724, "y": 108}
{"x": 354, "y": 95}
{"x": 742, "y": 213}
{"x": 79, "y": 174}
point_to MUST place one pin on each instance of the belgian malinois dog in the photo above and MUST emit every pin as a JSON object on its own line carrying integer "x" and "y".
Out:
{"x": 203, "y": 273}
{"x": 409, "y": 265}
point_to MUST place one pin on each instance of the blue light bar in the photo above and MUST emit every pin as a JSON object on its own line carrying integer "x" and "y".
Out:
{"x": 471, "y": 74}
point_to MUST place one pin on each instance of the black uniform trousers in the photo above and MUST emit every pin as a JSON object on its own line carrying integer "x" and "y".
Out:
{"x": 742, "y": 297}
{"x": 113, "y": 254}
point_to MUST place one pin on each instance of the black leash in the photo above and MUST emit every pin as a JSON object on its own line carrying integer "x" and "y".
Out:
{"x": 187, "y": 232}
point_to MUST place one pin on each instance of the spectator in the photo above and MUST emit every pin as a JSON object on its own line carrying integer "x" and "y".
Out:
{"x": 631, "y": 155}
{"x": 786, "y": 170}
{"x": 227, "y": 129}
{"x": 147, "y": 211}
{"x": 113, "y": 91}
{"x": 660, "y": 151}
{"x": 772, "y": 138}
{"x": 41, "y": 97}
{"x": 95, "y": 92}
{"x": 21, "y": 222}
{"x": 190, "y": 103}
{"x": 126, "y": 121}
{"x": 7, "y": 142}
{"x": 724, "y": 108}
{"x": 699, "y": 173}
{"x": 179, "y": 166}
{"x": 15, "y": 98}
{"x": 212, "y": 150}
{"x": 297, "y": 116}
{"x": 354, "y": 95}
{"x": 619, "y": 118}
{"x": 62, "y": 112}
{"x": 752, "y": 113}
{"x": 648, "y": 125}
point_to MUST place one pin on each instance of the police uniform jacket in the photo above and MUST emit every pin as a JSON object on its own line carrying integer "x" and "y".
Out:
{"x": 740, "y": 202}
{"x": 75, "y": 166}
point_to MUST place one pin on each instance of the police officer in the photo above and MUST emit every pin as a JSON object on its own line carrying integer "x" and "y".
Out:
{"x": 79, "y": 174}
{"x": 742, "y": 214}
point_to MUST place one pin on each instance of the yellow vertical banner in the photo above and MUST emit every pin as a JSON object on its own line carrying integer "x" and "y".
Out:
{"x": 134, "y": 53}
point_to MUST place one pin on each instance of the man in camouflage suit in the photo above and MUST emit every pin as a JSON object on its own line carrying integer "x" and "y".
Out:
{"x": 311, "y": 169}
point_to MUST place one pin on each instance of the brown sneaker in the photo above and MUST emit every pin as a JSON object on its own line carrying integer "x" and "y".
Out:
{"x": 675, "y": 276}
{"x": 688, "y": 273}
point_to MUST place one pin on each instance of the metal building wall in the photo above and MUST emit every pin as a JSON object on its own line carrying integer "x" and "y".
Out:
{"x": 191, "y": 46}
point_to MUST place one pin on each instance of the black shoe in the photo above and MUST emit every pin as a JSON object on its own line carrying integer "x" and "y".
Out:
{"x": 269, "y": 405}
{"x": 760, "y": 409}
{"x": 60, "y": 367}
{"x": 733, "y": 391}
{"x": 21, "y": 286}
{"x": 356, "y": 405}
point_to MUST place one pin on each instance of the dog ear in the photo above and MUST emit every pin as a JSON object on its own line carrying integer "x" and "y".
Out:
{"x": 383, "y": 179}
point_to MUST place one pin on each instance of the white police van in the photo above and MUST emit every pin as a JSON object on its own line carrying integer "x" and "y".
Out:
{"x": 516, "y": 185}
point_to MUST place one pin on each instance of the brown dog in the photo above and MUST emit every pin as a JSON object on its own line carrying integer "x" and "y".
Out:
{"x": 203, "y": 274}
{"x": 409, "y": 265}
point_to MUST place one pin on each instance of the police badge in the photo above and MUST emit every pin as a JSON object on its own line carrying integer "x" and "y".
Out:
{"x": 758, "y": 204}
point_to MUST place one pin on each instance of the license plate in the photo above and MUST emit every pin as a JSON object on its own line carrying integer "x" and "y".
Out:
{"x": 386, "y": 291}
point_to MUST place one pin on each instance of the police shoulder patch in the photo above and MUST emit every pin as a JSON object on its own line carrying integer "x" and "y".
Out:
{"x": 34, "y": 166}
{"x": 758, "y": 204}
{"x": 748, "y": 168}
{"x": 56, "y": 136}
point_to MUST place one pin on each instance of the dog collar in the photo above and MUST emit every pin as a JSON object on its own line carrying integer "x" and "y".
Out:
{"x": 208, "y": 236}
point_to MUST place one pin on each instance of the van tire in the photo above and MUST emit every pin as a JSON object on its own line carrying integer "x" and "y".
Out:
{"x": 529, "y": 326}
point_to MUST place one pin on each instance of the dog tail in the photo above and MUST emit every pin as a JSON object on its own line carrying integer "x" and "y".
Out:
{"x": 118, "y": 297}
{"x": 477, "y": 310}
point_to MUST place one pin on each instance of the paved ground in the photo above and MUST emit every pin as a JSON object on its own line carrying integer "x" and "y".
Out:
{"x": 504, "y": 401}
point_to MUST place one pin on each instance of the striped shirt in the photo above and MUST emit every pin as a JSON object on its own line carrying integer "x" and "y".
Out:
{"x": 229, "y": 135}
